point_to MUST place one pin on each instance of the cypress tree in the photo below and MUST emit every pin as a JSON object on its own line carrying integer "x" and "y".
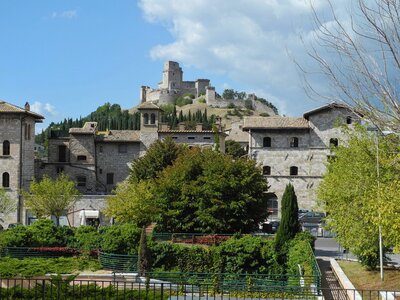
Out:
{"x": 290, "y": 224}
{"x": 144, "y": 262}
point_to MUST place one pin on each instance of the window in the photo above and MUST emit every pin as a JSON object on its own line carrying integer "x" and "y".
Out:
{"x": 122, "y": 148}
{"x": 294, "y": 171}
{"x": 191, "y": 137}
{"x": 6, "y": 148}
{"x": 29, "y": 131}
{"x": 81, "y": 157}
{"x": 266, "y": 170}
{"x": 267, "y": 142}
{"x": 110, "y": 178}
{"x": 272, "y": 207}
{"x": 152, "y": 119}
{"x": 174, "y": 137}
{"x": 349, "y": 120}
{"x": 294, "y": 142}
{"x": 100, "y": 171}
{"x": 146, "y": 118}
{"x": 81, "y": 181}
{"x": 333, "y": 142}
{"x": 59, "y": 170}
{"x": 6, "y": 180}
{"x": 207, "y": 138}
{"x": 62, "y": 153}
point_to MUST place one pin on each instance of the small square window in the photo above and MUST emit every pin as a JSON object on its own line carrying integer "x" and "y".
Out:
{"x": 59, "y": 170}
{"x": 207, "y": 138}
{"x": 100, "y": 171}
{"x": 110, "y": 178}
{"x": 191, "y": 137}
{"x": 81, "y": 157}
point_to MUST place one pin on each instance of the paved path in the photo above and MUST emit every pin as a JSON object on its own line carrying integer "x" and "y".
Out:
{"x": 326, "y": 248}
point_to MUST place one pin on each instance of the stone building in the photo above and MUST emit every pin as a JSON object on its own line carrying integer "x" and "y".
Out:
{"x": 17, "y": 140}
{"x": 172, "y": 86}
{"x": 295, "y": 150}
{"x": 98, "y": 161}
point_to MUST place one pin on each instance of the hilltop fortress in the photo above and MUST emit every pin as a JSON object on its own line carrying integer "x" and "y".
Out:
{"x": 172, "y": 86}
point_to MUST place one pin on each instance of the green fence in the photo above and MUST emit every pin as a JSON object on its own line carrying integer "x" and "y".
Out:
{"x": 118, "y": 262}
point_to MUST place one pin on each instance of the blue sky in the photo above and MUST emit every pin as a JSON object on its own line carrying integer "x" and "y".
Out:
{"x": 67, "y": 57}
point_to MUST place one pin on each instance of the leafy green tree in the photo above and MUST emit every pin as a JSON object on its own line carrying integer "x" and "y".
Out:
{"x": 356, "y": 200}
{"x": 7, "y": 205}
{"x": 50, "y": 197}
{"x": 206, "y": 191}
{"x": 228, "y": 94}
{"x": 290, "y": 225}
{"x": 160, "y": 154}
{"x": 134, "y": 202}
{"x": 235, "y": 149}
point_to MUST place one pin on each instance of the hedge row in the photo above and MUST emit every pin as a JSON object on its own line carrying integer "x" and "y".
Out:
{"x": 122, "y": 239}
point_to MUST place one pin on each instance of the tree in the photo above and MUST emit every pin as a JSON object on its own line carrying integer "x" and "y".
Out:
{"x": 361, "y": 61}
{"x": 134, "y": 202}
{"x": 50, "y": 197}
{"x": 289, "y": 226}
{"x": 228, "y": 94}
{"x": 7, "y": 205}
{"x": 235, "y": 149}
{"x": 206, "y": 191}
{"x": 144, "y": 260}
{"x": 356, "y": 200}
{"x": 160, "y": 154}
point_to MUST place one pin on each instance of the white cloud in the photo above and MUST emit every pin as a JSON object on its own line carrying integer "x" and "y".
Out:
{"x": 246, "y": 40}
{"x": 45, "y": 109}
{"x": 66, "y": 14}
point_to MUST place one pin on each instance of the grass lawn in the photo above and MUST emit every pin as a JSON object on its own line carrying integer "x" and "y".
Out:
{"x": 370, "y": 280}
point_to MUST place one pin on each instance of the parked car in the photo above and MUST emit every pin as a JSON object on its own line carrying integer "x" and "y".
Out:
{"x": 13, "y": 225}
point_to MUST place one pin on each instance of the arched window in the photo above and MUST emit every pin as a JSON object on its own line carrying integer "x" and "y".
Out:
{"x": 294, "y": 171}
{"x": 266, "y": 170}
{"x": 152, "y": 119}
{"x": 333, "y": 142}
{"x": 272, "y": 206}
{"x": 349, "y": 120}
{"x": 146, "y": 118}
{"x": 6, "y": 148}
{"x": 6, "y": 180}
{"x": 294, "y": 142}
{"x": 267, "y": 142}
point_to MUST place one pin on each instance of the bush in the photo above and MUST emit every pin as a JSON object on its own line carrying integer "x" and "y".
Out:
{"x": 120, "y": 239}
{"x": 86, "y": 238}
{"x": 201, "y": 100}
{"x": 181, "y": 101}
{"x": 42, "y": 233}
{"x": 264, "y": 114}
{"x": 231, "y": 105}
{"x": 29, "y": 267}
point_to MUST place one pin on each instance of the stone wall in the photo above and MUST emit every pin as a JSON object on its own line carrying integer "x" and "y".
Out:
{"x": 110, "y": 159}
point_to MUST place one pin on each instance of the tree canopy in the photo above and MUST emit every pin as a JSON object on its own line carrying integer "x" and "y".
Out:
{"x": 160, "y": 154}
{"x": 356, "y": 200}
{"x": 206, "y": 191}
{"x": 7, "y": 205}
{"x": 50, "y": 197}
{"x": 234, "y": 148}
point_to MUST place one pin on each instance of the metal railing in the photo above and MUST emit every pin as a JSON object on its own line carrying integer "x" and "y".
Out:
{"x": 138, "y": 289}
{"x": 118, "y": 262}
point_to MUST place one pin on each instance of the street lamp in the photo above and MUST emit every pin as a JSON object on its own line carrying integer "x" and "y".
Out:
{"x": 385, "y": 132}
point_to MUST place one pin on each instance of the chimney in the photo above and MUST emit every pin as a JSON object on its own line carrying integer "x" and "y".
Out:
{"x": 27, "y": 106}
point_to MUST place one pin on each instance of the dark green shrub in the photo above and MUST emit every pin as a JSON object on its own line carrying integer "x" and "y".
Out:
{"x": 86, "y": 238}
{"x": 18, "y": 236}
{"x": 231, "y": 105}
{"x": 120, "y": 239}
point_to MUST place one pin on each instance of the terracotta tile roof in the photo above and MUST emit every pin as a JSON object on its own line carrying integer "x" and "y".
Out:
{"x": 275, "y": 123}
{"x": 119, "y": 136}
{"x": 148, "y": 105}
{"x": 10, "y": 108}
{"x": 88, "y": 128}
{"x": 327, "y": 107}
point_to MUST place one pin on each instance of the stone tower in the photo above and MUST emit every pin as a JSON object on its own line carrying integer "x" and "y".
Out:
{"x": 150, "y": 115}
{"x": 172, "y": 76}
